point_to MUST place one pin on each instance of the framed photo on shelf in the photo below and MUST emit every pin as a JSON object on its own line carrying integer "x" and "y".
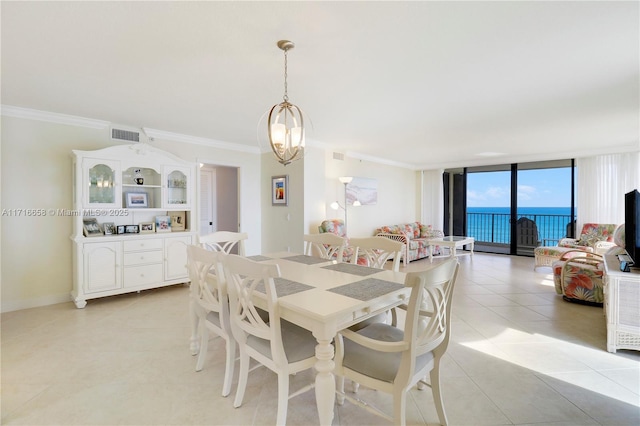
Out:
{"x": 178, "y": 221}
{"x": 109, "y": 228}
{"x": 147, "y": 227}
{"x": 163, "y": 224}
{"x": 121, "y": 229}
{"x": 131, "y": 229}
{"x": 136, "y": 200}
{"x": 280, "y": 190}
{"x": 91, "y": 227}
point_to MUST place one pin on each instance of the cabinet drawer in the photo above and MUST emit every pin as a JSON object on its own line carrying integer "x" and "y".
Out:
{"x": 142, "y": 257}
{"x": 142, "y": 275}
{"x": 146, "y": 244}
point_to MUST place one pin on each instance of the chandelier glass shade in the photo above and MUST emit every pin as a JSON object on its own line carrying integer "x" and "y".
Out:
{"x": 286, "y": 122}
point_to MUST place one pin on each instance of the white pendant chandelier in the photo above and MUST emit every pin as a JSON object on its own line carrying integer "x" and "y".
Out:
{"x": 286, "y": 123}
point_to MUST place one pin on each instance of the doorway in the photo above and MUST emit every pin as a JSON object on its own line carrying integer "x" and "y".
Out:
{"x": 219, "y": 210}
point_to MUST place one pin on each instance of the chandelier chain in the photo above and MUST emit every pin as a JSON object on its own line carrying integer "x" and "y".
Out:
{"x": 286, "y": 96}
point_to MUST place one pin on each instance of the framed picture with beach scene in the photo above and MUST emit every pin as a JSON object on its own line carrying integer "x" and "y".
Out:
{"x": 280, "y": 190}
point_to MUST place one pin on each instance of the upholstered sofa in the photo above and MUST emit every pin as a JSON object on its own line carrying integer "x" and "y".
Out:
{"x": 414, "y": 235}
{"x": 594, "y": 238}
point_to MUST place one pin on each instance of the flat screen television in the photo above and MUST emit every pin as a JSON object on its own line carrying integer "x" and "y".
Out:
{"x": 632, "y": 225}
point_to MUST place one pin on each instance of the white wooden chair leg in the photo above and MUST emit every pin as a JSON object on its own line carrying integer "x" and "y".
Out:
{"x": 228, "y": 372}
{"x": 437, "y": 395}
{"x": 204, "y": 345}
{"x": 242, "y": 379}
{"x": 399, "y": 407}
{"x": 340, "y": 387}
{"x": 283, "y": 398}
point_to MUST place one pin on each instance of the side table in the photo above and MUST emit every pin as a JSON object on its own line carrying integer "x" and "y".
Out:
{"x": 451, "y": 242}
{"x": 622, "y": 305}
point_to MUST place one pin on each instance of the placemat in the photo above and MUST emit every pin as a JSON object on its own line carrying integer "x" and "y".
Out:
{"x": 285, "y": 287}
{"x": 367, "y": 289}
{"x": 351, "y": 268}
{"x": 258, "y": 258}
{"x": 307, "y": 260}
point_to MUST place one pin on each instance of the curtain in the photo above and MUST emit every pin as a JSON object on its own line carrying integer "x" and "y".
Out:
{"x": 602, "y": 182}
{"x": 433, "y": 199}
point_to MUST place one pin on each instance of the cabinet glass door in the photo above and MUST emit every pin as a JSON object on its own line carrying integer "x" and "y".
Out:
{"x": 177, "y": 184}
{"x": 102, "y": 186}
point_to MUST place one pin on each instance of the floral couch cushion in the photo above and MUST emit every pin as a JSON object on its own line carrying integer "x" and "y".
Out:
{"x": 591, "y": 234}
{"x": 579, "y": 282}
{"x": 415, "y": 237}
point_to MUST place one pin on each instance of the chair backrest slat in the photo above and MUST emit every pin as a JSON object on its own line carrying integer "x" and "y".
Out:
{"x": 248, "y": 281}
{"x": 206, "y": 275}
{"x": 428, "y": 324}
{"x": 224, "y": 241}
{"x": 326, "y": 246}
{"x": 377, "y": 251}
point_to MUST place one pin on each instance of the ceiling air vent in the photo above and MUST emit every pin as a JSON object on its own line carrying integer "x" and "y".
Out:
{"x": 121, "y": 133}
{"x": 338, "y": 156}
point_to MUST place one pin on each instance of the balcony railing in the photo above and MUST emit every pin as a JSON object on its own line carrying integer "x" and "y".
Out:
{"x": 495, "y": 227}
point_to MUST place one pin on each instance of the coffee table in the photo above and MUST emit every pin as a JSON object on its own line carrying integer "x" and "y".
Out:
{"x": 451, "y": 242}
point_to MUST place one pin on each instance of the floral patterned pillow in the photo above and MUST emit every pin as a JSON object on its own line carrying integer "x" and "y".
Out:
{"x": 426, "y": 231}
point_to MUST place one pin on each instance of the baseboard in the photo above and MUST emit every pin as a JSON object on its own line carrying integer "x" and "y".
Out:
{"x": 18, "y": 305}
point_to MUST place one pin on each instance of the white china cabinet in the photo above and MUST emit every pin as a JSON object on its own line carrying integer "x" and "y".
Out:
{"x": 125, "y": 200}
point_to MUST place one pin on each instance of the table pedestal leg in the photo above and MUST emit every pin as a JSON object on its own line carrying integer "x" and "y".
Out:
{"x": 325, "y": 381}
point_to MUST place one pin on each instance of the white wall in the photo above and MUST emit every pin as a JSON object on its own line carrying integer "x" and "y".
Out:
{"x": 282, "y": 228}
{"x": 36, "y": 263}
{"x": 398, "y": 194}
{"x": 36, "y": 174}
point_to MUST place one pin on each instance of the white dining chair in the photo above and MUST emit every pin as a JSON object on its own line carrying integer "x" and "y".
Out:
{"x": 224, "y": 241}
{"x": 376, "y": 251}
{"x": 210, "y": 303}
{"x": 326, "y": 246}
{"x": 277, "y": 344}
{"x": 392, "y": 360}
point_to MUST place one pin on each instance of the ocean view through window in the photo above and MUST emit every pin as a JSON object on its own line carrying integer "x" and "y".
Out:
{"x": 492, "y": 224}
{"x": 514, "y": 208}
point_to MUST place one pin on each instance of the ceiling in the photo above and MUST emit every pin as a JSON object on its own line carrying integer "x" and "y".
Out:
{"x": 419, "y": 84}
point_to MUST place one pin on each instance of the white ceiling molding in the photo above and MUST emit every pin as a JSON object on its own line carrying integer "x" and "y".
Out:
{"x": 53, "y": 117}
{"x": 177, "y": 137}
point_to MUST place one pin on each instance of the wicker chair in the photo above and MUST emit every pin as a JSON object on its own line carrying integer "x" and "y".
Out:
{"x": 578, "y": 274}
{"x": 594, "y": 238}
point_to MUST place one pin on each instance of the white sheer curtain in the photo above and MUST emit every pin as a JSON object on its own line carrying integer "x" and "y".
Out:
{"x": 602, "y": 182}
{"x": 433, "y": 199}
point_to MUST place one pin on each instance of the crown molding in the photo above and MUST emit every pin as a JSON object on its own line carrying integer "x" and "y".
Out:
{"x": 52, "y": 117}
{"x": 178, "y": 137}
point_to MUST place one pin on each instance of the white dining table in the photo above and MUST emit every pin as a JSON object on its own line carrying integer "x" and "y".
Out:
{"x": 325, "y": 297}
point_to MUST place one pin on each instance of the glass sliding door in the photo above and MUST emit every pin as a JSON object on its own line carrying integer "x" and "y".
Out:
{"x": 511, "y": 208}
{"x": 545, "y": 208}
{"x": 489, "y": 208}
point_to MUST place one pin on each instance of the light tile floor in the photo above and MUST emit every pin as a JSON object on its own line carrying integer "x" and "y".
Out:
{"x": 518, "y": 355}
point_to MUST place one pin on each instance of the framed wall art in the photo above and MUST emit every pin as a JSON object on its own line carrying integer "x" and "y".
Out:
{"x": 280, "y": 190}
{"x": 137, "y": 200}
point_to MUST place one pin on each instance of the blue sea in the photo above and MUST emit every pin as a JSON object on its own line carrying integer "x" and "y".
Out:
{"x": 492, "y": 223}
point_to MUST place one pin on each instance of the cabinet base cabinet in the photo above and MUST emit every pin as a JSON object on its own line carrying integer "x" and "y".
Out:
{"x": 128, "y": 264}
{"x": 622, "y": 305}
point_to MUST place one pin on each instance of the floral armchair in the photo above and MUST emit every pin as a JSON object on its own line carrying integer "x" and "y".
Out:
{"x": 594, "y": 238}
{"x": 577, "y": 275}
{"x": 336, "y": 226}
